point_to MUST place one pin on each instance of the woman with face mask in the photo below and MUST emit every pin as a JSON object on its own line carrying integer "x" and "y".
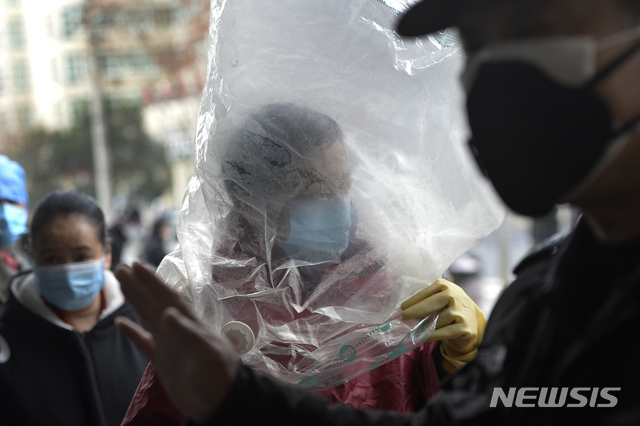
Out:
{"x": 286, "y": 252}
{"x": 62, "y": 361}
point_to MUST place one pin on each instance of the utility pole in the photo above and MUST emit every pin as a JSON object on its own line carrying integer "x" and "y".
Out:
{"x": 99, "y": 142}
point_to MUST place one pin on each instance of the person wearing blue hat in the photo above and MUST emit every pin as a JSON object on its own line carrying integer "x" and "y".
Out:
{"x": 13, "y": 219}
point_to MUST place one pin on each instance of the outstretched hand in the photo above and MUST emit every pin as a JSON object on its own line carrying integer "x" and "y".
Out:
{"x": 195, "y": 365}
{"x": 460, "y": 325}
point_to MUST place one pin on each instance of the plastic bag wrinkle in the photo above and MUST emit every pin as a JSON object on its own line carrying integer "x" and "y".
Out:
{"x": 306, "y": 102}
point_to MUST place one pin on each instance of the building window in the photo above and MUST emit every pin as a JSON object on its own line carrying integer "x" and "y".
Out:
{"x": 54, "y": 71}
{"x": 163, "y": 17}
{"x": 178, "y": 145}
{"x": 75, "y": 68}
{"x": 49, "y": 26}
{"x": 70, "y": 21}
{"x": 109, "y": 65}
{"x": 120, "y": 102}
{"x": 21, "y": 77}
{"x": 23, "y": 115}
{"x": 79, "y": 111}
{"x": 16, "y": 34}
{"x": 117, "y": 65}
{"x": 57, "y": 114}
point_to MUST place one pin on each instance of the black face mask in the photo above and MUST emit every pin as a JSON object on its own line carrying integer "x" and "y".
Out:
{"x": 537, "y": 139}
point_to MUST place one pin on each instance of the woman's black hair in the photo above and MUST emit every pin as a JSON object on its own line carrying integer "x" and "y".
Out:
{"x": 65, "y": 203}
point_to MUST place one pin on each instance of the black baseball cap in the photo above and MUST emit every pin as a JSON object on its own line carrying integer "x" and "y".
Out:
{"x": 429, "y": 16}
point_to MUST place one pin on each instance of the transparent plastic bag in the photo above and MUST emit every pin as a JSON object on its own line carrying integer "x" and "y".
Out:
{"x": 329, "y": 162}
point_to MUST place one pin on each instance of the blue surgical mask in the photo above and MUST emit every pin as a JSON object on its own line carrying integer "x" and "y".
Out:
{"x": 318, "y": 230}
{"x": 71, "y": 286}
{"x": 13, "y": 223}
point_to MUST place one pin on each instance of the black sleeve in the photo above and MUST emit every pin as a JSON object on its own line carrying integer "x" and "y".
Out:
{"x": 438, "y": 360}
{"x": 153, "y": 252}
{"x": 258, "y": 399}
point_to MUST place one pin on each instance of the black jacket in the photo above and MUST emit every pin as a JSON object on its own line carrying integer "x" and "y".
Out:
{"x": 50, "y": 375}
{"x": 570, "y": 320}
{"x": 117, "y": 240}
{"x": 154, "y": 251}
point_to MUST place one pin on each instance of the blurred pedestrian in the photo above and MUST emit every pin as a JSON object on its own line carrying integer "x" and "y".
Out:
{"x": 155, "y": 247}
{"x": 62, "y": 361}
{"x": 13, "y": 221}
{"x": 124, "y": 231}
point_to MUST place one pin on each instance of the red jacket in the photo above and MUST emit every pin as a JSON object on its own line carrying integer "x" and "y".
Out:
{"x": 402, "y": 385}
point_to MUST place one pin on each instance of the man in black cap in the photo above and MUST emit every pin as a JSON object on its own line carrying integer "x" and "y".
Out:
{"x": 553, "y": 101}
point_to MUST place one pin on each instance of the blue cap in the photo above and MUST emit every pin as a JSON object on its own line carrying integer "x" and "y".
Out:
{"x": 13, "y": 185}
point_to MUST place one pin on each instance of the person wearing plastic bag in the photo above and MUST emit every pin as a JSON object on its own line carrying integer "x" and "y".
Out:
{"x": 13, "y": 221}
{"x": 62, "y": 360}
{"x": 554, "y": 106}
{"x": 307, "y": 194}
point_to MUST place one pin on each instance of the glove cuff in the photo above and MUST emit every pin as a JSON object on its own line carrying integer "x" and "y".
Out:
{"x": 454, "y": 360}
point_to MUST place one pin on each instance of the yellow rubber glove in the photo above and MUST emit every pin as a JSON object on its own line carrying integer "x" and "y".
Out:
{"x": 460, "y": 325}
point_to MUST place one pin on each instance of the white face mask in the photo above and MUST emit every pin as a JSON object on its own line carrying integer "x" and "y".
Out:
{"x": 567, "y": 60}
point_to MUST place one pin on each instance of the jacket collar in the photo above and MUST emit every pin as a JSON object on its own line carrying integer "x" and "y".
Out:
{"x": 24, "y": 289}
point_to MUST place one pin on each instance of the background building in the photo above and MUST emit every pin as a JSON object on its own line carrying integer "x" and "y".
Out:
{"x": 145, "y": 60}
{"x": 15, "y": 77}
{"x": 57, "y": 56}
